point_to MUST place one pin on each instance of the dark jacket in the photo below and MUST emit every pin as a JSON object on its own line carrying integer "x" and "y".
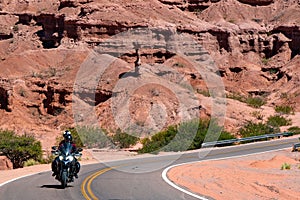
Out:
{"x": 74, "y": 148}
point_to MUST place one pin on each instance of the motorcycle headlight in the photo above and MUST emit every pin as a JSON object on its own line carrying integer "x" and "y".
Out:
{"x": 70, "y": 158}
{"x": 60, "y": 157}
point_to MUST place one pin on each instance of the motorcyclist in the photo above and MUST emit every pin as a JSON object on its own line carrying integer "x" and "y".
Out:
{"x": 75, "y": 165}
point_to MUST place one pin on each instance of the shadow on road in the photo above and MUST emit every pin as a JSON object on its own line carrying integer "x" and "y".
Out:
{"x": 53, "y": 186}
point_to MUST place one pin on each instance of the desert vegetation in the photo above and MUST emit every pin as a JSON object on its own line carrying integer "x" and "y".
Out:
{"x": 185, "y": 136}
{"x": 284, "y": 109}
{"x": 252, "y": 129}
{"x": 253, "y": 101}
{"x": 124, "y": 140}
{"x": 95, "y": 137}
{"x": 285, "y": 166}
{"x": 26, "y": 151}
{"x": 278, "y": 121}
{"x": 43, "y": 51}
{"x": 19, "y": 149}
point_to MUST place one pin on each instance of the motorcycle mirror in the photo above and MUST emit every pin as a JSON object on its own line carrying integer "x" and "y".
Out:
{"x": 54, "y": 153}
{"x": 54, "y": 148}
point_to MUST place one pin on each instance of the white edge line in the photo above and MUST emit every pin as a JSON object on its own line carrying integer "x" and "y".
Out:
{"x": 27, "y": 175}
{"x": 167, "y": 180}
{"x": 164, "y": 176}
{"x": 12, "y": 180}
{"x": 164, "y": 173}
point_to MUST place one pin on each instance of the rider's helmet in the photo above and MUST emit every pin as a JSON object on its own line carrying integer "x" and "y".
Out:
{"x": 67, "y": 136}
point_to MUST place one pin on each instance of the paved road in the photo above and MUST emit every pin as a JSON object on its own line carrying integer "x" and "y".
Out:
{"x": 135, "y": 179}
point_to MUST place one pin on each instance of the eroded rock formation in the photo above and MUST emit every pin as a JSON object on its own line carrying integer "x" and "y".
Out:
{"x": 44, "y": 43}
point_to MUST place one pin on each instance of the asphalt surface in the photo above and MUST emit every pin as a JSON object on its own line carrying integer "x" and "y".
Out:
{"x": 134, "y": 179}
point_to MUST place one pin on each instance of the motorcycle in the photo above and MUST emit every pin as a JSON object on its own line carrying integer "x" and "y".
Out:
{"x": 66, "y": 159}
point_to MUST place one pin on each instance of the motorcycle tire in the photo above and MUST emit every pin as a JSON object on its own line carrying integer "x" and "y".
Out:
{"x": 64, "y": 180}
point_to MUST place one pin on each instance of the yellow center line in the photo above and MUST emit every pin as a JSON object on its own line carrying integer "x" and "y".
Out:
{"x": 86, "y": 184}
{"x": 83, "y": 185}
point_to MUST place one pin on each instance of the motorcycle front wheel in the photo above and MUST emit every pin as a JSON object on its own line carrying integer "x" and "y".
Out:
{"x": 64, "y": 180}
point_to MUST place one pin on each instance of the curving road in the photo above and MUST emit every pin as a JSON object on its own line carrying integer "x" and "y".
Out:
{"x": 128, "y": 179}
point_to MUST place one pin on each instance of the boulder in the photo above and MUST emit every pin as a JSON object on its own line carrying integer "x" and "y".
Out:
{"x": 5, "y": 163}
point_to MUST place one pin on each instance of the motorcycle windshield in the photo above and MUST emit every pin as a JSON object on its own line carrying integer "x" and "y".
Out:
{"x": 66, "y": 149}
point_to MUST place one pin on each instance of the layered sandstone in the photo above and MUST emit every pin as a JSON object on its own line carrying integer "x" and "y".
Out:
{"x": 254, "y": 45}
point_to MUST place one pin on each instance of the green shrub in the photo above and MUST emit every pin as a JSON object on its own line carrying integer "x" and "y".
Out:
{"x": 277, "y": 121}
{"x": 273, "y": 71}
{"x": 124, "y": 140}
{"x": 30, "y": 162}
{"x": 255, "y": 102}
{"x": 47, "y": 160}
{"x": 203, "y": 92}
{"x": 158, "y": 140}
{"x": 254, "y": 129}
{"x": 285, "y": 166}
{"x": 90, "y": 137}
{"x": 284, "y": 95}
{"x": 37, "y": 75}
{"x": 185, "y": 136}
{"x": 237, "y": 97}
{"x": 15, "y": 28}
{"x": 52, "y": 72}
{"x": 294, "y": 129}
{"x": 265, "y": 61}
{"x": 258, "y": 115}
{"x": 284, "y": 109}
{"x": 94, "y": 137}
{"x": 198, "y": 10}
{"x": 19, "y": 149}
{"x": 226, "y": 136}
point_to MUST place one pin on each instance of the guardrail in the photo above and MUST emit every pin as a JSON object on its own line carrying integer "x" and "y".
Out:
{"x": 247, "y": 139}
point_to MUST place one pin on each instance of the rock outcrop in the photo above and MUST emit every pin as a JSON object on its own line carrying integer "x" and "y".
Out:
{"x": 190, "y": 5}
{"x": 5, "y": 95}
{"x": 254, "y": 44}
{"x": 5, "y": 163}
